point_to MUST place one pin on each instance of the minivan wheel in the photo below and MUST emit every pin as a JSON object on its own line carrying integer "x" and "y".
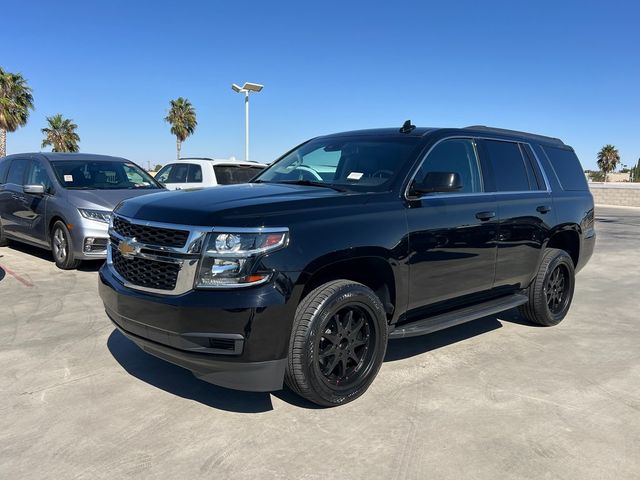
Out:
{"x": 551, "y": 292}
{"x": 338, "y": 342}
{"x": 62, "y": 247}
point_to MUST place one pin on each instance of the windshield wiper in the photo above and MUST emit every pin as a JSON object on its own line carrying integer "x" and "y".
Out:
{"x": 309, "y": 183}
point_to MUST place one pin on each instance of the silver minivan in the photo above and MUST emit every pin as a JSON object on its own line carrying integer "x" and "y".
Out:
{"x": 63, "y": 201}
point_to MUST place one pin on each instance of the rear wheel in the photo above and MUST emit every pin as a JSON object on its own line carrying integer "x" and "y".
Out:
{"x": 551, "y": 292}
{"x": 62, "y": 247}
{"x": 338, "y": 342}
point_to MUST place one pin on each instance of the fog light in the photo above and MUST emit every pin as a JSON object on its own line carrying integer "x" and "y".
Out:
{"x": 95, "y": 245}
{"x": 88, "y": 244}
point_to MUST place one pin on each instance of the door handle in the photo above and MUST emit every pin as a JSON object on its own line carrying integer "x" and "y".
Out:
{"x": 543, "y": 209}
{"x": 485, "y": 215}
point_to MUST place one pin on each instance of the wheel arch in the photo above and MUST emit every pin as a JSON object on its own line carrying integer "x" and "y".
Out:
{"x": 374, "y": 271}
{"x": 54, "y": 218}
{"x": 567, "y": 239}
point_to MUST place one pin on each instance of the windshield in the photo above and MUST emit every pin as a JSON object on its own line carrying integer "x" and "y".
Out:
{"x": 96, "y": 175}
{"x": 359, "y": 163}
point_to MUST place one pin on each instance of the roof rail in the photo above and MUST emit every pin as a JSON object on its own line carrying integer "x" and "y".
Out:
{"x": 504, "y": 131}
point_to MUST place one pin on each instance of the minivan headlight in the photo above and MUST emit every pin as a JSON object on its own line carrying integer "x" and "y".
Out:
{"x": 229, "y": 257}
{"x": 98, "y": 215}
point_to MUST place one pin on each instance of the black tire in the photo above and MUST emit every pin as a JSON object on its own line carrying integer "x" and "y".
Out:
{"x": 338, "y": 343}
{"x": 551, "y": 292}
{"x": 62, "y": 247}
{"x": 4, "y": 241}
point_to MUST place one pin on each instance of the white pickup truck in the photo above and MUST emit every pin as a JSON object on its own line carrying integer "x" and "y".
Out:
{"x": 206, "y": 172}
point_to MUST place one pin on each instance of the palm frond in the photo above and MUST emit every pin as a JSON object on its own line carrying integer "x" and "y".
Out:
{"x": 182, "y": 118}
{"x": 61, "y": 134}
{"x": 16, "y": 100}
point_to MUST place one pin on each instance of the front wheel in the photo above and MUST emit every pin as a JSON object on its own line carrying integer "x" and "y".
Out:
{"x": 551, "y": 292}
{"x": 62, "y": 247}
{"x": 338, "y": 342}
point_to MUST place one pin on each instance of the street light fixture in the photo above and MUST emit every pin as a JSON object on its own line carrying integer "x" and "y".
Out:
{"x": 246, "y": 89}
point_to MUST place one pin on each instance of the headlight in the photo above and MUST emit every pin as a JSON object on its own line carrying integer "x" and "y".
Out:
{"x": 229, "y": 258}
{"x": 97, "y": 215}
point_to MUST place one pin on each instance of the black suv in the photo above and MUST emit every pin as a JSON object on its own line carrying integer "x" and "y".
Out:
{"x": 348, "y": 240}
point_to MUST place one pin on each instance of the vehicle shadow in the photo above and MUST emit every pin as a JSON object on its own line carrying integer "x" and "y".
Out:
{"x": 85, "y": 266}
{"x": 179, "y": 381}
{"x": 399, "y": 349}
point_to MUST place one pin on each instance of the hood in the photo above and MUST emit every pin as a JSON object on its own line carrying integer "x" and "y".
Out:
{"x": 103, "y": 199}
{"x": 232, "y": 205}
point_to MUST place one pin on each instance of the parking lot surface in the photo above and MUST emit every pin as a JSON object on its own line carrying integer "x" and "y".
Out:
{"x": 494, "y": 398}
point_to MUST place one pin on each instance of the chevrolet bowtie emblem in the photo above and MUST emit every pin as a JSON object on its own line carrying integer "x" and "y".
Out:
{"x": 126, "y": 249}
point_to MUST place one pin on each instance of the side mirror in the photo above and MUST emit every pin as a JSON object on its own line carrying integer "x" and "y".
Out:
{"x": 437, "y": 182}
{"x": 33, "y": 189}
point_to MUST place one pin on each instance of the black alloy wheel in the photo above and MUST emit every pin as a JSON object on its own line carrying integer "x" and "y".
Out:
{"x": 556, "y": 290}
{"x": 345, "y": 348}
{"x": 551, "y": 291}
{"x": 338, "y": 342}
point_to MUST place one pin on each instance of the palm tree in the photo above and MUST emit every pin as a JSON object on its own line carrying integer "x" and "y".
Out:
{"x": 608, "y": 159}
{"x": 16, "y": 100}
{"x": 182, "y": 117}
{"x": 61, "y": 134}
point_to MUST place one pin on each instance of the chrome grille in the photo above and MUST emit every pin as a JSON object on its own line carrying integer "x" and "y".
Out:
{"x": 144, "y": 272}
{"x": 163, "y": 237}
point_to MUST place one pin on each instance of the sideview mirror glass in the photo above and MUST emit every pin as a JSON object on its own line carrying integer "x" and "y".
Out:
{"x": 33, "y": 189}
{"x": 437, "y": 182}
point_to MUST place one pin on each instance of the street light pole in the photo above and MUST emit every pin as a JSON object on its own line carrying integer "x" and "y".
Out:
{"x": 246, "y": 89}
{"x": 246, "y": 125}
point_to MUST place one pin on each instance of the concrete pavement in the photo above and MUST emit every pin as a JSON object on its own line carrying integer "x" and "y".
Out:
{"x": 495, "y": 398}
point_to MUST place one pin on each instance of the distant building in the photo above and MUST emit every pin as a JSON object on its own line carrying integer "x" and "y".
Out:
{"x": 618, "y": 177}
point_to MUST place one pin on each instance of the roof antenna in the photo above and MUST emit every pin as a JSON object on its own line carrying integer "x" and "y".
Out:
{"x": 407, "y": 127}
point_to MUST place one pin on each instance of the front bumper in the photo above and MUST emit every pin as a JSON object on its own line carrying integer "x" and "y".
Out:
{"x": 89, "y": 229}
{"x": 235, "y": 339}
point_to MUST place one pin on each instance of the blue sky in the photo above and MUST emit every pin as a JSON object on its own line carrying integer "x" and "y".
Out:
{"x": 567, "y": 69}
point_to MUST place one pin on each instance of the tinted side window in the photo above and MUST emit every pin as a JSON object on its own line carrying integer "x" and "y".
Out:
{"x": 457, "y": 155}
{"x": 533, "y": 181}
{"x": 528, "y": 154}
{"x": 567, "y": 167}
{"x": 163, "y": 174}
{"x": 173, "y": 173}
{"x": 194, "y": 174}
{"x": 508, "y": 166}
{"x": 17, "y": 170}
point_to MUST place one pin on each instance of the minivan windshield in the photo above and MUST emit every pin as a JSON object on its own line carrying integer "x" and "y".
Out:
{"x": 359, "y": 163}
{"x": 101, "y": 175}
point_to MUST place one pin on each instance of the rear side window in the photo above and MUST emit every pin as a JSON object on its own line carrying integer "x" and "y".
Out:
{"x": 233, "y": 174}
{"x": 533, "y": 163}
{"x": 194, "y": 175}
{"x": 567, "y": 168}
{"x": 509, "y": 169}
{"x": 17, "y": 170}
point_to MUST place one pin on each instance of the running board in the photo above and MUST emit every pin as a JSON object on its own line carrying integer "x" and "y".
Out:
{"x": 456, "y": 317}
